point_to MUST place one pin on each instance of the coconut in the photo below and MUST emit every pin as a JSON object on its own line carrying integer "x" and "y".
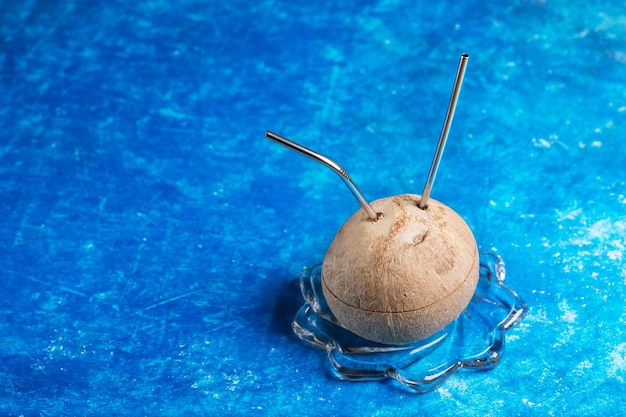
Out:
{"x": 403, "y": 277}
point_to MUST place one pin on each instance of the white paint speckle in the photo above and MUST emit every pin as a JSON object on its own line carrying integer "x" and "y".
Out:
{"x": 444, "y": 392}
{"x": 529, "y": 403}
{"x": 541, "y": 143}
{"x": 617, "y": 359}
{"x": 582, "y": 367}
{"x": 569, "y": 315}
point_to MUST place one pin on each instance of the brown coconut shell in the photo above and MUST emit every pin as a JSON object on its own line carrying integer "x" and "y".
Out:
{"x": 403, "y": 277}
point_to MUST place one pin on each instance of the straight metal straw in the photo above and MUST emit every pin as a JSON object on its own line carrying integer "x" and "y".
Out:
{"x": 444, "y": 132}
{"x": 330, "y": 164}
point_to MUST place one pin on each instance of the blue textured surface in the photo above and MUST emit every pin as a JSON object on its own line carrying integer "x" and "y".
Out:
{"x": 150, "y": 236}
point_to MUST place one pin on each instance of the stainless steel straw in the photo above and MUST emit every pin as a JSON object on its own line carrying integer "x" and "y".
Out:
{"x": 444, "y": 132}
{"x": 330, "y": 164}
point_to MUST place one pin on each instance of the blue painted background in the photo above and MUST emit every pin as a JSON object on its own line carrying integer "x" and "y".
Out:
{"x": 150, "y": 236}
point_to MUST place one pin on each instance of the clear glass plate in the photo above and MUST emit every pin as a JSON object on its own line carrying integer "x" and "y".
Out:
{"x": 475, "y": 340}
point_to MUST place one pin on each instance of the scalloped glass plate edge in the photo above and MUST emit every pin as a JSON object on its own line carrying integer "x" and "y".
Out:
{"x": 475, "y": 340}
